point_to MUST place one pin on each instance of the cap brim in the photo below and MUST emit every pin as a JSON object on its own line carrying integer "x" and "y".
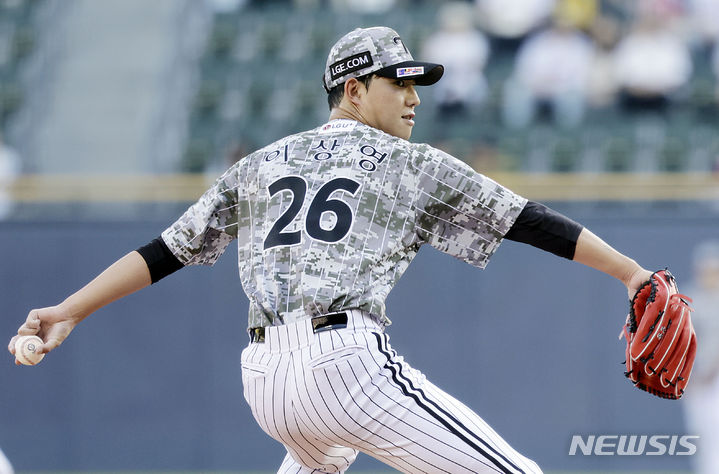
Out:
{"x": 423, "y": 74}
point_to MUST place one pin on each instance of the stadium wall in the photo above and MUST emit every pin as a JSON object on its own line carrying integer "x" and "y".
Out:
{"x": 152, "y": 382}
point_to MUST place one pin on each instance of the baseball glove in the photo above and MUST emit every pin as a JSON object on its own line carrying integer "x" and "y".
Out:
{"x": 661, "y": 343}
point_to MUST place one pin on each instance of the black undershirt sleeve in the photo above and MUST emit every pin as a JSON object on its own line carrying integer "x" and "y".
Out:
{"x": 160, "y": 260}
{"x": 544, "y": 228}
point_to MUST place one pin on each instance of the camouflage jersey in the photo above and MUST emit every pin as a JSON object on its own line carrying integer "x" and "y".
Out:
{"x": 329, "y": 219}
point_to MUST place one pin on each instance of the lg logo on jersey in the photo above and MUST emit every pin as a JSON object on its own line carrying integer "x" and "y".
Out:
{"x": 633, "y": 445}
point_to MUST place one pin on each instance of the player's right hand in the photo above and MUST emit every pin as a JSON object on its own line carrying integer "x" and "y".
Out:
{"x": 52, "y": 324}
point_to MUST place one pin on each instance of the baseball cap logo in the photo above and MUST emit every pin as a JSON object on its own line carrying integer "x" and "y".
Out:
{"x": 351, "y": 64}
{"x": 410, "y": 71}
{"x": 398, "y": 40}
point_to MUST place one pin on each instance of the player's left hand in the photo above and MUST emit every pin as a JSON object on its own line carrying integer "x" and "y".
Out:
{"x": 636, "y": 280}
{"x": 661, "y": 342}
{"x": 52, "y": 324}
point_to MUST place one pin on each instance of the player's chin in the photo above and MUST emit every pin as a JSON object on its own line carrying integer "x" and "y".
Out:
{"x": 404, "y": 130}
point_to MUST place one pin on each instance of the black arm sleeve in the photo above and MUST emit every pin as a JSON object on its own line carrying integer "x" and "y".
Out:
{"x": 541, "y": 227}
{"x": 160, "y": 260}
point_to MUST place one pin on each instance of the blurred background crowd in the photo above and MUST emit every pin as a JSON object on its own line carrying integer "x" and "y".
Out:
{"x": 530, "y": 85}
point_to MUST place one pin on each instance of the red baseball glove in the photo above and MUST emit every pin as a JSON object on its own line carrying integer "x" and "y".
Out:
{"x": 661, "y": 342}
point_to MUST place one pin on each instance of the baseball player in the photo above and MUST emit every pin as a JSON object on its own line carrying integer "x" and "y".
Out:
{"x": 326, "y": 221}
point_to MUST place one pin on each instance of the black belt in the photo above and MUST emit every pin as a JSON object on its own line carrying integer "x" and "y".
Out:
{"x": 326, "y": 322}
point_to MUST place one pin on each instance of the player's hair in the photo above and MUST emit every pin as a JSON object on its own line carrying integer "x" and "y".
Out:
{"x": 334, "y": 96}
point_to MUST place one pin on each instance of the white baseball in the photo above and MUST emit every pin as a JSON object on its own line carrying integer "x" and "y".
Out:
{"x": 26, "y": 348}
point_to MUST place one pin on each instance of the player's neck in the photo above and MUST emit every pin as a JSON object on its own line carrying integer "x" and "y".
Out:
{"x": 345, "y": 113}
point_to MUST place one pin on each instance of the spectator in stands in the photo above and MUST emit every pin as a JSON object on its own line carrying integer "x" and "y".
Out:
{"x": 651, "y": 64}
{"x": 464, "y": 51}
{"x": 9, "y": 171}
{"x": 704, "y": 23}
{"x": 602, "y": 86}
{"x": 702, "y": 401}
{"x": 508, "y": 23}
{"x": 551, "y": 73}
{"x": 580, "y": 13}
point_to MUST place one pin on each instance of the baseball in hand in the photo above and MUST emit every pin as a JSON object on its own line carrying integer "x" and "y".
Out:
{"x": 26, "y": 348}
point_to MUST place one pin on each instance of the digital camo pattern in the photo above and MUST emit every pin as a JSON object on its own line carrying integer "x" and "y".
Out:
{"x": 329, "y": 219}
{"x": 385, "y": 48}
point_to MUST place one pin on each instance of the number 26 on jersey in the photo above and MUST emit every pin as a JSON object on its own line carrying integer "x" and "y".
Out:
{"x": 318, "y": 205}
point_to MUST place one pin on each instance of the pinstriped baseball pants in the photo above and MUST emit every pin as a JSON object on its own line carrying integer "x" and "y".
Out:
{"x": 329, "y": 395}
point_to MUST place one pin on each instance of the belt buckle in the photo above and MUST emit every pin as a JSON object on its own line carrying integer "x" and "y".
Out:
{"x": 328, "y": 322}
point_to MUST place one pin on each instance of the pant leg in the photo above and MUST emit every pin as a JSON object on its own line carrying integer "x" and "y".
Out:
{"x": 291, "y": 466}
{"x": 269, "y": 388}
{"x": 368, "y": 398}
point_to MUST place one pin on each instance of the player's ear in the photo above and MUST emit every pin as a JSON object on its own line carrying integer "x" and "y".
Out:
{"x": 354, "y": 90}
